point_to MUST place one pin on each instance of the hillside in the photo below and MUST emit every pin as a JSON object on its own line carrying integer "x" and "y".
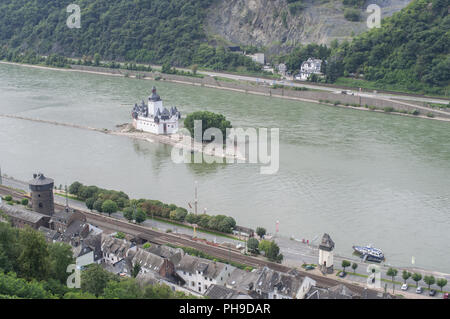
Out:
{"x": 410, "y": 50}
{"x": 155, "y": 31}
{"x": 279, "y": 25}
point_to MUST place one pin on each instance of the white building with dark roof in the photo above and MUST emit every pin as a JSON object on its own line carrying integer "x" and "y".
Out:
{"x": 310, "y": 66}
{"x": 154, "y": 118}
{"x": 199, "y": 273}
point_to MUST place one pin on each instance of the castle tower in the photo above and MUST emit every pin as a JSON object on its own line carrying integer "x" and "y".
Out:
{"x": 154, "y": 103}
{"x": 326, "y": 254}
{"x": 42, "y": 194}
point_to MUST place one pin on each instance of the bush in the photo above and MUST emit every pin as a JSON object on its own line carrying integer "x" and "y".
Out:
{"x": 429, "y": 114}
{"x": 8, "y": 198}
{"x": 24, "y": 202}
{"x": 352, "y": 15}
{"x": 389, "y": 109}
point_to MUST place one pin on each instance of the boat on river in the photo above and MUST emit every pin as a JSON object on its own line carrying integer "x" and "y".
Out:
{"x": 369, "y": 253}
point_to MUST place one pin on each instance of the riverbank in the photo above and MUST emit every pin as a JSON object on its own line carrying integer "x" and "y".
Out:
{"x": 332, "y": 99}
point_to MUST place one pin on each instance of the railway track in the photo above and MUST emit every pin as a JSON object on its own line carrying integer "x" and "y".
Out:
{"x": 161, "y": 238}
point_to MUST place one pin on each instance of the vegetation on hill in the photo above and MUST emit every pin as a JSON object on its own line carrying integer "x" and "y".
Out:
{"x": 157, "y": 31}
{"x": 31, "y": 268}
{"x": 409, "y": 51}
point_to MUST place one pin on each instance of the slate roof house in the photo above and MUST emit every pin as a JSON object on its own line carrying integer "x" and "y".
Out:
{"x": 222, "y": 292}
{"x": 199, "y": 273}
{"x": 114, "y": 249}
{"x": 21, "y": 217}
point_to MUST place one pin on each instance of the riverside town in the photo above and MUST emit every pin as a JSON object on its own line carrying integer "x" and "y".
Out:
{"x": 213, "y": 158}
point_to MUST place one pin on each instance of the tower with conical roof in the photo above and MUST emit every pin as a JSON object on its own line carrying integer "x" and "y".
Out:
{"x": 42, "y": 194}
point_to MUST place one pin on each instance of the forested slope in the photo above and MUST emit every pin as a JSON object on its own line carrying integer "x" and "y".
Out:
{"x": 156, "y": 31}
{"x": 411, "y": 49}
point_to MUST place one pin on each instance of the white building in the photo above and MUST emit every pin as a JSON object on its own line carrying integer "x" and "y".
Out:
{"x": 311, "y": 66}
{"x": 258, "y": 58}
{"x": 200, "y": 273}
{"x": 154, "y": 118}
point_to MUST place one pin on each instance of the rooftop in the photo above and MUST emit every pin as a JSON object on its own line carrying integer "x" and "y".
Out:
{"x": 21, "y": 213}
{"x": 40, "y": 179}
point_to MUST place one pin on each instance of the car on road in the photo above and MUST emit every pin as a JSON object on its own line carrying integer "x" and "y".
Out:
{"x": 419, "y": 290}
{"x": 446, "y": 295}
{"x": 404, "y": 287}
{"x": 342, "y": 274}
{"x": 309, "y": 267}
{"x": 432, "y": 292}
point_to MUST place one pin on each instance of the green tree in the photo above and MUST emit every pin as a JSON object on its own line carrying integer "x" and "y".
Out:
{"x": 98, "y": 204}
{"x": 354, "y": 266}
{"x": 24, "y": 202}
{"x": 61, "y": 257}
{"x": 90, "y": 203}
{"x": 94, "y": 279}
{"x": 97, "y": 59}
{"x": 34, "y": 261}
{"x": 252, "y": 245}
{"x": 406, "y": 275}
{"x": 261, "y": 231}
{"x": 429, "y": 280}
{"x": 441, "y": 282}
{"x": 128, "y": 213}
{"x": 194, "y": 69}
{"x": 123, "y": 289}
{"x": 392, "y": 272}
{"x": 208, "y": 120}
{"x": 109, "y": 207}
{"x": 345, "y": 264}
{"x": 264, "y": 245}
{"x": 139, "y": 216}
{"x": 74, "y": 188}
{"x": 136, "y": 269}
{"x": 416, "y": 277}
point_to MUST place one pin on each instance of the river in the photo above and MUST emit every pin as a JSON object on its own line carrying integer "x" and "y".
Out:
{"x": 362, "y": 177}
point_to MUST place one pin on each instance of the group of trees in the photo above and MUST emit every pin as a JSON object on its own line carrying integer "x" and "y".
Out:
{"x": 270, "y": 248}
{"x": 31, "y": 57}
{"x": 110, "y": 201}
{"x": 29, "y": 266}
{"x": 429, "y": 279}
{"x": 209, "y": 120}
{"x": 32, "y": 268}
{"x": 102, "y": 200}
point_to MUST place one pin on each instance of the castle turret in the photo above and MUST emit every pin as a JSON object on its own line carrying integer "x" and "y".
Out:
{"x": 326, "y": 248}
{"x": 42, "y": 194}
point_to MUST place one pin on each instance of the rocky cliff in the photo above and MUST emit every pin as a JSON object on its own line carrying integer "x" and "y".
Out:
{"x": 269, "y": 23}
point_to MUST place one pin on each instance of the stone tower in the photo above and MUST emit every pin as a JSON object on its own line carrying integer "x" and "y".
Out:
{"x": 326, "y": 254}
{"x": 42, "y": 194}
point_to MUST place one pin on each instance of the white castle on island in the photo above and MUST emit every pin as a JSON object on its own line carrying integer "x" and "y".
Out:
{"x": 154, "y": 117}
